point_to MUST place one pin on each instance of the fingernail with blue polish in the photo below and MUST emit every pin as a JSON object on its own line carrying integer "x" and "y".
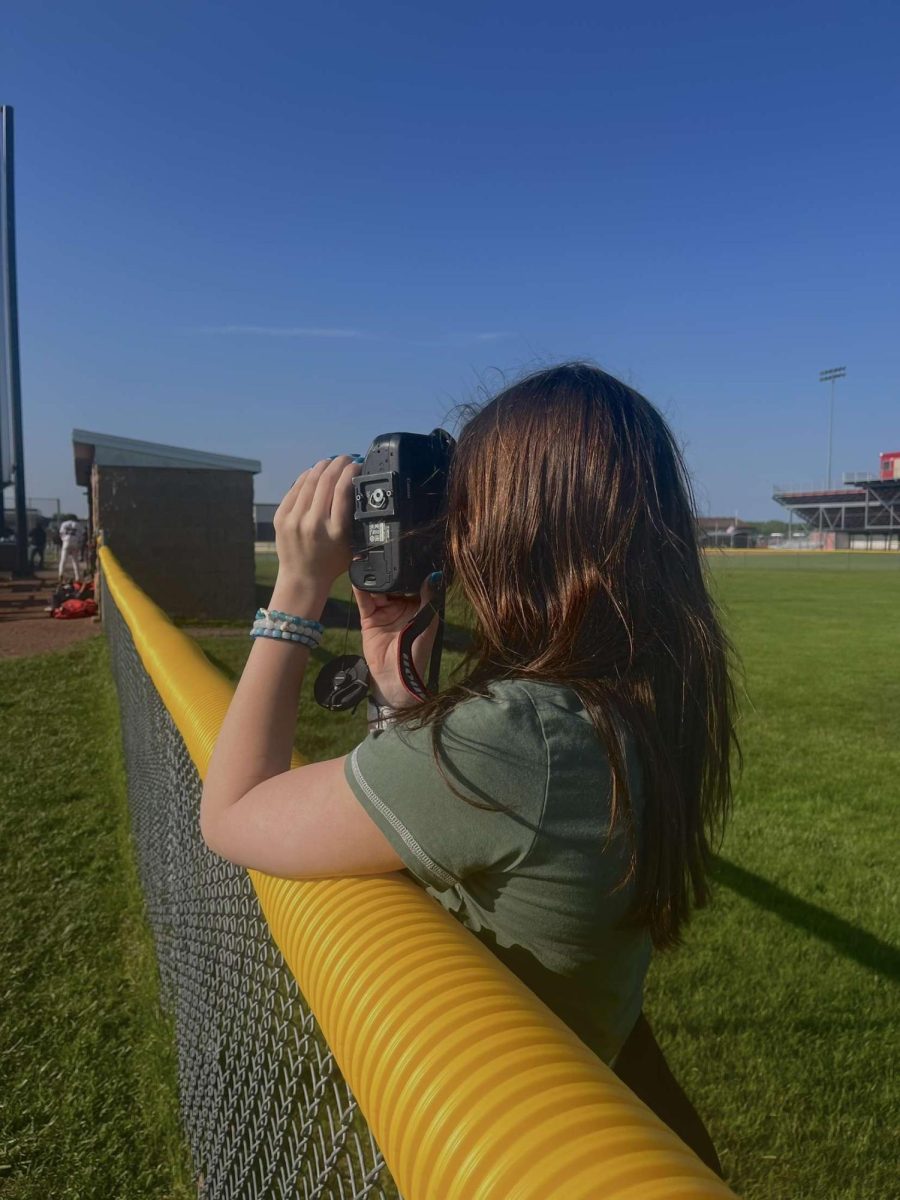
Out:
{"x": 435, "y": 576}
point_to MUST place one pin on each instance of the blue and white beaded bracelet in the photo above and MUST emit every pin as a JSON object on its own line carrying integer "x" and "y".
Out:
{"x": 283, "y": 627}
{"x": 280, "y": 635}
{"x": 273, "y": 614}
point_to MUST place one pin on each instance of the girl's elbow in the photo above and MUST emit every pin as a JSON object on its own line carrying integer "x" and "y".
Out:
{"x": 210, "y": 825}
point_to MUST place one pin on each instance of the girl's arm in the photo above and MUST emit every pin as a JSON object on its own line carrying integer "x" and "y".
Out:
{"x": 255, "y": 810}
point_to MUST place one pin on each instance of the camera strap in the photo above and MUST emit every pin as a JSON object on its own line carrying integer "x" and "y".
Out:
{"x": 343, "y": 682}
{"x": 409, "y": 676}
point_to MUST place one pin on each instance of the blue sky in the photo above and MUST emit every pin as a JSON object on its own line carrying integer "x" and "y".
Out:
{"x": 276, "y": 230}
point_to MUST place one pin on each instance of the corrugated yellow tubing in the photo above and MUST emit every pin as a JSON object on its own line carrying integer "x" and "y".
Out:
{"x": 473, "y": 1089}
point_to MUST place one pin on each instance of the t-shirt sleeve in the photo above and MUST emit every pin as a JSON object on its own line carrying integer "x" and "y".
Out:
{"x": 475, "y": 805}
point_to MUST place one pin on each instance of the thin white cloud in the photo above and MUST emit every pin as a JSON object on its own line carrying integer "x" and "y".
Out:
{"x": 458, "y": 339}
{"x": 286, "y": 331}
{"x": 316, "y": 331}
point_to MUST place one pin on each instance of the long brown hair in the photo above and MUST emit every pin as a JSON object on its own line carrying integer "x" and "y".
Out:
{"x": 571, "y": 533}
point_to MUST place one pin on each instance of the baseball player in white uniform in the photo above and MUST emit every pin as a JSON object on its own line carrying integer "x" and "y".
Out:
{"x": 70, "y": 537}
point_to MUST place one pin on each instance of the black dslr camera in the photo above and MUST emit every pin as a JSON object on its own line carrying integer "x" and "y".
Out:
{"x": 397, "y": 538}
{"x": 400, "y": 498}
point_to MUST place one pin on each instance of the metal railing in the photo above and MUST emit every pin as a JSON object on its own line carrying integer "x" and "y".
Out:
{"x": 860, "y": 477}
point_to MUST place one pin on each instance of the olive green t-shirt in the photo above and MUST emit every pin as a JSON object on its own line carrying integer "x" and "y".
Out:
{"x": 523, "y": 861}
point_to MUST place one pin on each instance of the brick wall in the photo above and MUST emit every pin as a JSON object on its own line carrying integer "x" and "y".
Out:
{"x": 185, "y": 535}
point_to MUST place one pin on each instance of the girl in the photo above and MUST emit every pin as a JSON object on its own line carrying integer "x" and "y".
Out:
{"x": 562, "y": 798}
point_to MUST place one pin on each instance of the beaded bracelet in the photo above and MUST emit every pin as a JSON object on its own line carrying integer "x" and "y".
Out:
{"x": 311, "y": 642}
{"x": 287, "y": 627}
{"x": 272, "y": 614}
{"x": 280, "y": 626}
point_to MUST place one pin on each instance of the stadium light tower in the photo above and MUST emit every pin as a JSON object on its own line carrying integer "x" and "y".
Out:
{"x": 12, "y": 452}
{"x": 830, "y": 376}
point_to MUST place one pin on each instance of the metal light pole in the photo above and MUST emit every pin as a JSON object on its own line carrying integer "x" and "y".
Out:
{"x": 830, "y": 376}
{"x": 10, "y": 335}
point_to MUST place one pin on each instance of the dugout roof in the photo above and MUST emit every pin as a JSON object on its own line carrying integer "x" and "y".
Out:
{"x": 105, "y": 449}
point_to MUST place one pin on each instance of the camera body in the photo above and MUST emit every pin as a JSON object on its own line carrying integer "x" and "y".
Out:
{"x": 400, "y": 497}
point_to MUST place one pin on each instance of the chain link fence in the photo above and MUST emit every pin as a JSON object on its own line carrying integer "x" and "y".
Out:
{"x": 265, "y": 1109}
{"x": 473, "y": 1088}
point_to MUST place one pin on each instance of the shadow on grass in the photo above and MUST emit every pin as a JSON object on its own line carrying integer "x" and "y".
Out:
{"x": 848, "y": 939}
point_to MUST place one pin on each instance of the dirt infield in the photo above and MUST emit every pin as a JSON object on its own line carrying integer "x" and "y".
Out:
{"x": 27, "y": 628}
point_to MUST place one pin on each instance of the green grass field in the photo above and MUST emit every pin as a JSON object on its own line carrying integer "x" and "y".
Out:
{"x": 88, "y": 1100}
{"x": 781, "y": 1010}
{"x": 779, "y": 1013}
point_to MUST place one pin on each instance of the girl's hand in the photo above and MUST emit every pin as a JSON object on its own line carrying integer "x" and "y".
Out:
{"x": 312, "y": 533}
{"x": 383, "y": 618}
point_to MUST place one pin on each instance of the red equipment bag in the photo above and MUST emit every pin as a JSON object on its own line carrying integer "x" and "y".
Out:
{"x": 70, "y": 609}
